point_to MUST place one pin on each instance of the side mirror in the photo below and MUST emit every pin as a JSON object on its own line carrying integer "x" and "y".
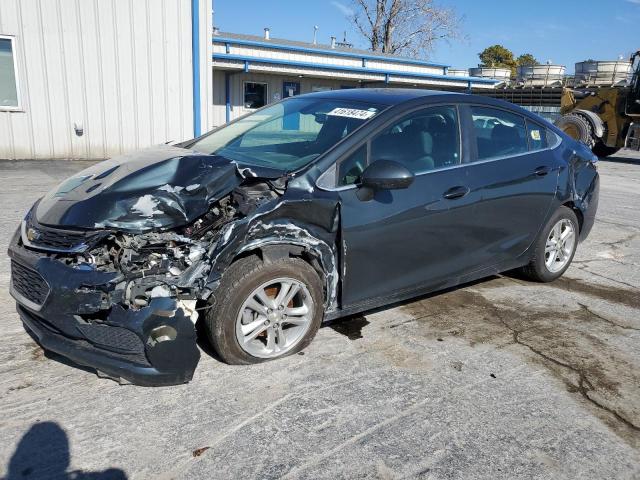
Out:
{"x": 384, "y": 175}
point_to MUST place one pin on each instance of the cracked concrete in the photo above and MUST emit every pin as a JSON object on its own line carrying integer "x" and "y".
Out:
{"x": 499, "y": 379}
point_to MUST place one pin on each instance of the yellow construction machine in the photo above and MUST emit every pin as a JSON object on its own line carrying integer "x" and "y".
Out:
{"x": 602, "y": 111}
{"x": 605, "y": 118}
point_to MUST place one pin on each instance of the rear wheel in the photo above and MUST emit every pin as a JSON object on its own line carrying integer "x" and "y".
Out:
{"x": 577, "y": 127}
{"x": 555, "y": 247}
{"x": 602, "y": 150}
{"x": 263, "y": 311}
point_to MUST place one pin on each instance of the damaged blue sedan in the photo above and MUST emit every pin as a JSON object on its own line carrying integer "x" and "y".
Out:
{"x": 313, "y": 208}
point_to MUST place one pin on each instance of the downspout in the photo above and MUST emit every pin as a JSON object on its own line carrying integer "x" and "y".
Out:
{"x": 227, "y": 95}
{"x": 195, "y": 63}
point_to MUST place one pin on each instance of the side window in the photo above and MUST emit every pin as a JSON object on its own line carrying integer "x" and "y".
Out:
{"x": 421, "y": 141}
{"x": 537, "y": 136}
{"x": 350, "y": 169}
{"x": 255, "y": 95}
{"x": 499, "y": 133}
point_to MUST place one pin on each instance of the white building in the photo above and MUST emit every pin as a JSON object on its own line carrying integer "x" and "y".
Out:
{"x": 249, "y": 71}
{"x": 95, "y": 78}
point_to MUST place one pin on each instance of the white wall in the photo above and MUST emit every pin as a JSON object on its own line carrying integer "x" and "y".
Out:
{"x": 121, "y": 69}
{"x": 274, "y": 86}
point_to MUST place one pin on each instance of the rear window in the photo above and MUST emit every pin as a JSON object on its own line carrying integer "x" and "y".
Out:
{"x": 499, "y": 133}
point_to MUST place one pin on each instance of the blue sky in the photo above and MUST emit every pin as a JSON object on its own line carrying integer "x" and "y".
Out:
{"x": 564, "y": 31}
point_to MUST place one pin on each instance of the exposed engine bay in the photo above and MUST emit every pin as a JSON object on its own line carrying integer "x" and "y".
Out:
{"x": 170, "y": 263}
{"x": 114, "y": 267}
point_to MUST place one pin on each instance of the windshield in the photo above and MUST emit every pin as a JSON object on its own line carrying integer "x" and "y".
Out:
{"x": 289, "y": 134}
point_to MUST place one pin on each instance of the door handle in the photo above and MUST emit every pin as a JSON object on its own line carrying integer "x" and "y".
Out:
{"x": 456, "y": 192}
{"x": 541, "y": 171}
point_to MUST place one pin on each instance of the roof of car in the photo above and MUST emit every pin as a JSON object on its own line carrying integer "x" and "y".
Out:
{"x": 397, "y": 96}
{"x": 382, "y": 96}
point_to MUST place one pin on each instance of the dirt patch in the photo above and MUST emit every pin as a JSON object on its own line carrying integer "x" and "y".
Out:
{"x": 570, "y": 343}
{"x": 20, "y": 387}
{"x": 457, "y": 365}
{"x": 400, "y": 356}
{"x": 199, "y": 451}
{"x": 37, "y": 353}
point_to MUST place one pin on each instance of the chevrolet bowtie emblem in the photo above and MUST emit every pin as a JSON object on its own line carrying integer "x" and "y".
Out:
{"x": 32, "y": 234}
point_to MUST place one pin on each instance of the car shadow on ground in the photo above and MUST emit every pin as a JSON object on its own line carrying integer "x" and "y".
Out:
{"x": 43, "y": 452}
{"x": 351, "y": 326}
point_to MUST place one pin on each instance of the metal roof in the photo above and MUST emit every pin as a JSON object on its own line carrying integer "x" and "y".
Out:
{"x": 318, "y": 48}
{"x": 376, "y": 71}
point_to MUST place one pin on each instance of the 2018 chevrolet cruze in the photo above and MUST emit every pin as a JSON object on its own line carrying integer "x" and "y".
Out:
{"x": 312, "y": 208}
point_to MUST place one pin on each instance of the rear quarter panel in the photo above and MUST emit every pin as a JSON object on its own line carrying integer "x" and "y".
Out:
{"x": 579, "y": 182}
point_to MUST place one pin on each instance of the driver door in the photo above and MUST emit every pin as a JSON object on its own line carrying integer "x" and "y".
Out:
{"x": 402, "y": 240}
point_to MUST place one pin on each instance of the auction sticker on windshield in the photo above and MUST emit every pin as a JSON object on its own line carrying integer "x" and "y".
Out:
{"x": 352, "y": 113}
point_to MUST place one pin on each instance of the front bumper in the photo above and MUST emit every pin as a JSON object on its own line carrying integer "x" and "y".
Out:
{"x": 70, "y": 311}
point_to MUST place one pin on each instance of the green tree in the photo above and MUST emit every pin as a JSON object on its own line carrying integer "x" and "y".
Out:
{"x": 526, "y": 59}
{"x": 497, "y": 56}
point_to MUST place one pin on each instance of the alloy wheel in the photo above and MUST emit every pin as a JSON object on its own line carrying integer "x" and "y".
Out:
{"x": 561, "y": 242}
{"x": 274, "y": 318}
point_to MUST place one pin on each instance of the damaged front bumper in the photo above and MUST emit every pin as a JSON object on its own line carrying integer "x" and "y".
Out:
{"x": 69, "y": 311}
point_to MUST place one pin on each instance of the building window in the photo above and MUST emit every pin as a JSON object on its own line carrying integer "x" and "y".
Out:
{"x": 290, "y": 89}
{"x": 9, "y": 95}
{"x": 255, "y": 95}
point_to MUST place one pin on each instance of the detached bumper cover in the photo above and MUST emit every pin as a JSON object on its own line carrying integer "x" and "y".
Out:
{"x": 70, "y": 312}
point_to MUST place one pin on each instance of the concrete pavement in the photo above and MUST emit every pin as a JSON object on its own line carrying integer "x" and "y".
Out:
{"x": 499, "y": 379}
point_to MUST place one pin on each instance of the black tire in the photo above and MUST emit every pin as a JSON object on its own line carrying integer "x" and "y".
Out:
{"x": 537, "y": 269}
{"x": 603, "y": 151}
{"x": 578, "y": 128}
{"x": 236, "y": 284}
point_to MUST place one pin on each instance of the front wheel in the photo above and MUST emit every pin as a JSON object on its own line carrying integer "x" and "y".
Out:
{"x": 555, "y": 247}
{"x": 263, "y": 311}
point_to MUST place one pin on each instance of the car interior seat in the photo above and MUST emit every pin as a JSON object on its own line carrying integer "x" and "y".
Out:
{"x": 504, "y": 140}
{"x": 445, "y": 143}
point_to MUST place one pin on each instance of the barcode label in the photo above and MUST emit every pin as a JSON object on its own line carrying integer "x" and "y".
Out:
{"x": 351, "y": 113}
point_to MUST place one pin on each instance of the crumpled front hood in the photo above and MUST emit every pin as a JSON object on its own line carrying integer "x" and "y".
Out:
{"x": 156, "y": 188}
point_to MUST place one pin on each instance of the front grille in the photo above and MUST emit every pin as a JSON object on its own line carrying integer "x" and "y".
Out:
{"x": 53, "y": 239}
{"x": 116, "y": 339}
{"x": 29, "y": 283}
{"x": 59, "y": 239}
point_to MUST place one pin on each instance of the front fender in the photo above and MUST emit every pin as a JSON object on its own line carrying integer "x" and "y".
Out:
{"x": 284, "y": 224}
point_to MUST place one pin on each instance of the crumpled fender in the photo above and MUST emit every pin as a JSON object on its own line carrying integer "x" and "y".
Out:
{"x": 312, "y": 226}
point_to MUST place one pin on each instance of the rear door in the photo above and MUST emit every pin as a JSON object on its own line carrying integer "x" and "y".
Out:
{"x": 515, "y": 176}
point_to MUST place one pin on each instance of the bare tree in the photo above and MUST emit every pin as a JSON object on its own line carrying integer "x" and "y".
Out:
{"x": 410, "y": 27}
